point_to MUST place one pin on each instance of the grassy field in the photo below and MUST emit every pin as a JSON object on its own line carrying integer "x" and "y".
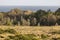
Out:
{"x": 29, "y": 33}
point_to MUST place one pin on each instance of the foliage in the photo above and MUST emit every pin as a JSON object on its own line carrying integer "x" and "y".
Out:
{"x": 16, "y": 16}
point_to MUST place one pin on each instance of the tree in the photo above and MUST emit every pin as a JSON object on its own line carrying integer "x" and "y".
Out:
{"x": 57, "y": 12}
{"x": 8, "y": 22}
{"x": 58, "y": 20}
{"x": 39, "y": 14}
{"x": 43, "y": 21}
{"x": 51, "y": 20}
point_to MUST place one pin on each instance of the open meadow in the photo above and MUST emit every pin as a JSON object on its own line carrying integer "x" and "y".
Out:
{"x": 29, "y": 33}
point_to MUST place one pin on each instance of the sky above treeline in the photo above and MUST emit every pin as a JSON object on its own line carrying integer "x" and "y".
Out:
{"x": 33, "y": 8}
{"x": 29, "y": 2}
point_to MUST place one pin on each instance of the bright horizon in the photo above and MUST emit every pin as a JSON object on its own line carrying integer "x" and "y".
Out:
{"x": 29, "y": 2}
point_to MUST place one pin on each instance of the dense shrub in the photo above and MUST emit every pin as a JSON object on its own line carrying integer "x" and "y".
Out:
{"x": 21, "y": 17}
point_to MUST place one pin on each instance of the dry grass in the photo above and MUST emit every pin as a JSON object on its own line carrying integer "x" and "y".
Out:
{"x": 38, "y": 31}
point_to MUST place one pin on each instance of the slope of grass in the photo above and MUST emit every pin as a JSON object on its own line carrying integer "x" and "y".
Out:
{"x": 29, "y": 33}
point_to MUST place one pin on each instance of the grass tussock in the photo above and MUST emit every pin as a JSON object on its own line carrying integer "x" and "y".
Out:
{"x": 1, "y": 31}
{"x": 11, "y": 31}
{"x": 23, "y": 37}
{"x": 55, "y": 31}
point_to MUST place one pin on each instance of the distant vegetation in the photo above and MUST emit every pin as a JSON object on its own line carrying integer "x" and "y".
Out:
{"x": 30, "y": 18}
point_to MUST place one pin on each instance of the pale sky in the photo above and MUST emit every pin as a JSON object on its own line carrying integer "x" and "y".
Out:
{"x": 29, "y": 2}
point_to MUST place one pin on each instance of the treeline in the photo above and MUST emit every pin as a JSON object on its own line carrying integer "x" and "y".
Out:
{"x": 30, "y": 18}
